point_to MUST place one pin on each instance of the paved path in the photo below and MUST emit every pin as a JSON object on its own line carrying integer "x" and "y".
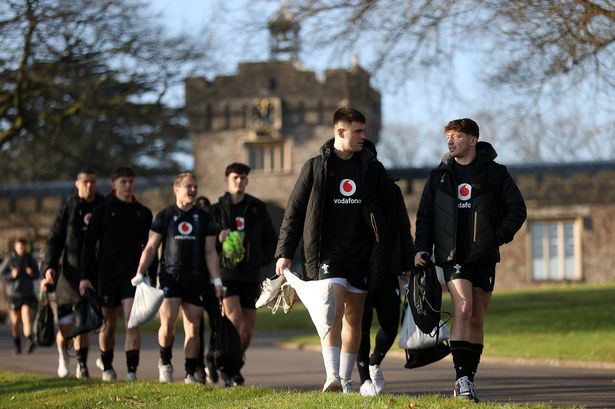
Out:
{"x": 269, "y": 365}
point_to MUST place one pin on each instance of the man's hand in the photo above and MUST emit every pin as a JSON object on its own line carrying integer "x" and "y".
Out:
{"x": 14, "y": 273}
{"x": 137, "y": 279}
{"x": 282, "y": 264}
{"x": 29, "y": 271}
{"x": 217, "y": 282}
{"x": 48, "y": 280}
{"x": 419, "y": 260}
{"x": 223, "y": 234}
{"x": 84, "y": 286}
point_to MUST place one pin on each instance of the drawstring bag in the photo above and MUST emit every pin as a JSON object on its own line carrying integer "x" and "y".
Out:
{"x": 425, "y": 297}
{"x": 146, "y": 303}
{"x": 318, "y": 297}
{"x": 87, "y": 316}
{"x": 44, "y": 330}
{"x": 227, "y": 352}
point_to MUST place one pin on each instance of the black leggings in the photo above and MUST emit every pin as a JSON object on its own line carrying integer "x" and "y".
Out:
{"x": 212, "y": 307}
{"x": 385, "y": 299}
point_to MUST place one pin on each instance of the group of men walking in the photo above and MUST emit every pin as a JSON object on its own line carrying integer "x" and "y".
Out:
{"x": 355, "y": 230}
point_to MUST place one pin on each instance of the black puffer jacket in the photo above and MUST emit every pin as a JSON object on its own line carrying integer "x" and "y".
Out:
{"x": 498, "y": 210}
{"x": 66, "y": 236}
{"x": 303, "y": 217}
{"x": 114, "y": 241}
{"x": 260, "y": 237}
{"x": 23, "y": 284}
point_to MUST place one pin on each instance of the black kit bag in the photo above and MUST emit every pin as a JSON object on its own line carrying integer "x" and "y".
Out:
{"x": 87, "y": 316}
{"x": 426, "y": 297}
{"x": 227, "y": 353}
{"x": 415, "y": 358}
{"x": 44, "y": 330}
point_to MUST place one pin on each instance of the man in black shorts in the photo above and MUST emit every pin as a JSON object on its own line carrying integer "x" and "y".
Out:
{"x": 18, "y": 271}
{"x": 344, "y": 208}
{"x": 113, "y": 243}
{"x": 62, "y": 266}
{"x": 470, "y": 206}
{"x": 245, "y": 217}
{"x": 188, "y": 237}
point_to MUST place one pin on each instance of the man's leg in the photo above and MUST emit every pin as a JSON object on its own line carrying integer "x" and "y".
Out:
{"x": 332, "y": 343}
{"x": 106, "y": 341}
{"x": 462, "y": 297}
{"x": 351, "y": 334}
{"x": 481, "y": 300}
{"x": 82, "y": 345}
{"x": 364, "y": 347}
{"x": 132, "y": 342}
{"x": 64, "y": 314}
{"x": 168, "y": 315}
{"x": 192, "y": 318}
{"x": 27, "y": 318}
{"x": 15, "y": 316}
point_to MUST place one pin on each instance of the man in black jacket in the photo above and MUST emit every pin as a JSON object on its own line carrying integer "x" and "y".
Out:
{"x": 62, "y": 266}
{"x": 469, "y": 207}
{"x": 113, "y": 243}
{"x": 245, "y": 222}
{"x": 344, "y": 208}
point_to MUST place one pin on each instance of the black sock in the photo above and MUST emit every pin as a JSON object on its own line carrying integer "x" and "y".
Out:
{"x": 376, "y": 358}
{"x": 132, "y": 360}
{"x": 475, "y": 354}
{"x": 166, "y": 353}
{"x": 461, "y": 358}
{"x": 191, "y": 365}
{"x": 82, "y": 356}
{"x": 17, "y": 341}
{"x": 107, "y": 359}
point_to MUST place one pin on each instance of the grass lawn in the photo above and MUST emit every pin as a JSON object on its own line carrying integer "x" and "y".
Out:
{"x": 26, "y": 391}
{"x": 568, "y": 323}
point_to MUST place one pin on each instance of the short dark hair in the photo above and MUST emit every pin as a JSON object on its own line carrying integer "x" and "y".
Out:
{"x": 122, "y": 171}
{"x": 348, "y": 114}
{"x": 236, "y": 167}
{"x": 22, "y": 240}
{"x": 85, "y": 170}
{"x": 203, "y": 202}
{"x": 465, "y": 125}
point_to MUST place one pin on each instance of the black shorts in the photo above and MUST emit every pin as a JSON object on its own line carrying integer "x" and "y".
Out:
{"x": 15, "y": 303}
{"x": 481, "y": 275}
{"x": 355, "y": 272}
{"x": 190, "y": 292}
{"x": 248, "y": 292}
{"x": 111, "y": 297}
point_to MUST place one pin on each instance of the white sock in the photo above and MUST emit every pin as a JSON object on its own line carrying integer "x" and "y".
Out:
{"x": 347, "y": 362}
{"x": 331, "y": 359}
{"x": 63, "y": 354}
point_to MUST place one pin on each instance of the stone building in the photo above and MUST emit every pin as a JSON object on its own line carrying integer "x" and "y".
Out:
{"x": 272, "y": 115}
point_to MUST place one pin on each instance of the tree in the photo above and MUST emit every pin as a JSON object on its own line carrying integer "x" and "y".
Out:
{"x": 84, "y": 82}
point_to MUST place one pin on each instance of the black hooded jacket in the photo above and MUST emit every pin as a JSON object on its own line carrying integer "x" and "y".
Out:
{"x": 304, "y": 213}
{"x": 498, "y": 210}
{"x": 259, "y": 241}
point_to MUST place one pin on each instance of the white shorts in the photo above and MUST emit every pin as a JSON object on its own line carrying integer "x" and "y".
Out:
{"x": 344, "y": 283}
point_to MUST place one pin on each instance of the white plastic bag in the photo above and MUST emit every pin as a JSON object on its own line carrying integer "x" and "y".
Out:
{"x": 318, "y": 298}
{"x": 411, "y": 337}
{"x": 145, "y": 305}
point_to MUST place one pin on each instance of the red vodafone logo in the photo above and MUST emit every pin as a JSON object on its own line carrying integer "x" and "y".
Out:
{"x": 87, "y": 218}
{"x": 464, "y": 191}
{"x": 347, "y": 187}
{"x": 184, "y": 228}
{"x": 240, "y": 222}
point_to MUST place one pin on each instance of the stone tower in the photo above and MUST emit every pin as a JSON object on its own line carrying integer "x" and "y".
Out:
{"x": 272, "y": 115}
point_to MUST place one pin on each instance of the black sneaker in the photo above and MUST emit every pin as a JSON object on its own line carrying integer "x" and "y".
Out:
{"x": 237, "y": 380}
{"x": 30, "y": 344}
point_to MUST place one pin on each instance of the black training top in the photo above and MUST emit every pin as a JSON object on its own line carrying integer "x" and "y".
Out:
{"x": 346, "y": 236}
{"x": 463, "y": 177}
{"x": 183, "y": 235}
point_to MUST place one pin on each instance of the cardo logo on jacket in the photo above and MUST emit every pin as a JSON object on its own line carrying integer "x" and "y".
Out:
{"x": 464, "y": 194}
{"x": 347, "y": 188}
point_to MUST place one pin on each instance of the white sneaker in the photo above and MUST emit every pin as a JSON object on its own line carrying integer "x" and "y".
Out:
{"x": 375, "y": 372}
{"x": 347, "y": 386}
{"x": 63, "y": 360}
{"x": 109, "y": 375}
{"x": 464, "y": 389}
{"x": 270, "y": 290}
{"x": 332, "y": 384}
{"x": 165, "y": 372}
{"x": 99, "y": 364}
{"x": 190, "y": 379}
{"x": 367, "y": 389}
{"x": 82, "y": 372}
{"x": 131, "y": 376}
{"x": 288, "y": 297}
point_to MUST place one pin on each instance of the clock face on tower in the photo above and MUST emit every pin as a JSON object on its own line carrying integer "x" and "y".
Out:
{"x": 265, "y": 114}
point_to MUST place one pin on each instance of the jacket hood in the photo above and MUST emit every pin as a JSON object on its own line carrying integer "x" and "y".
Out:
{"x": 484, "y": 153}
{"x": 369, "y": 149}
